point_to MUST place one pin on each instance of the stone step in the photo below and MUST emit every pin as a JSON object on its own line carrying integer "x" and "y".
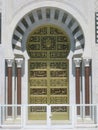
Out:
{"x": 48, "y": 129}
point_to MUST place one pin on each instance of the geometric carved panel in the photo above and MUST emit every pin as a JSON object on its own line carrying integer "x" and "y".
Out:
{"x": 58, "y": 91}
{"x": 38, "y": 82}
{"x": 59, "y": 109}
{"x": 48, "y": 47}
{"x": 58, "y": 100}
{"x": 58, "y": 82}
{"x": 38, "y": 91}
{"x": 37, "y": 109}
{"x": 38, "y": 100}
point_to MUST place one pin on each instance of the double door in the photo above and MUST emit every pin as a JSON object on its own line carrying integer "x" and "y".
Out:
{"x": 48, "y": 72}
{"x": 48, "y": 84}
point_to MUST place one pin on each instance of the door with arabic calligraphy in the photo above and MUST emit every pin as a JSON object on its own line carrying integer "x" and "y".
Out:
{"x": 48, "y": 71}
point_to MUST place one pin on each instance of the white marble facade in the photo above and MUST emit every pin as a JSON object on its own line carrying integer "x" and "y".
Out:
{"x": 84, "y": 48}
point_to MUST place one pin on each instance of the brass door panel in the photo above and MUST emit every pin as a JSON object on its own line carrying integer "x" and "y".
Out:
{"x": 48, "y": 71}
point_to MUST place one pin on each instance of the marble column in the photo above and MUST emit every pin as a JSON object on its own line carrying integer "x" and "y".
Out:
{"x": 19, "y": 66}
{"x": 77, "y": 79}
{"x": 87, "y": 86}
{"x": 9, "y": 89}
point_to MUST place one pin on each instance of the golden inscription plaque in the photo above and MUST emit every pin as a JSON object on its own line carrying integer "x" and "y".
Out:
{"x": 48, "y": 70}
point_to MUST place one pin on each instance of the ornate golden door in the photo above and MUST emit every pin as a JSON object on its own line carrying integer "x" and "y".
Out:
{"x": 48, "y": 71}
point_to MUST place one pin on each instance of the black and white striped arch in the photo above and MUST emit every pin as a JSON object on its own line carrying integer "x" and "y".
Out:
{"x": 96, "y": 26}
{"x": 44, "y": 15}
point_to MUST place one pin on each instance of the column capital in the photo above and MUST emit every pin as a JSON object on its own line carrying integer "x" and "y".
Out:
{"x": 9, "y": 62}
{"x": 77, "y": 62}
{"x": 87, "y": 62}
{"x": 19, "y": 62}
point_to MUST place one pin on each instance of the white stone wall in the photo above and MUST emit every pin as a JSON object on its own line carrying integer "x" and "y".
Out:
{"x": 82, "y": 10}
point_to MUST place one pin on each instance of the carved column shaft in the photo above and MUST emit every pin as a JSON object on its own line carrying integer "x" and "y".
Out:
{"x": 9, "y": 85}
{"x": 87, "y": 96}
{"x": 78, "y": 89}
{"x": 9, "y": 90}
{"x": 78, "y": 85}
{"x": 77, "y": 79}
{"x": 87, "y": 86}
{"x": 9, "y": 94}
{"x": 19, "y": 64}
{"x": 18, "y": 85}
